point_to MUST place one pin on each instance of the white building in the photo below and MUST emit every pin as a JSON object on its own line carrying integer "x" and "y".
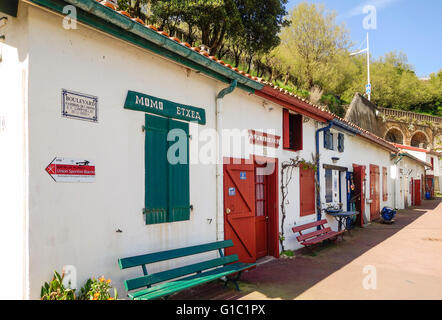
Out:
{"x": 433, "y": 164}
{"x": 88, "y": 171}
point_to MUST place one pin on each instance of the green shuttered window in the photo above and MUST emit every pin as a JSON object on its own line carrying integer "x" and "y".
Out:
{"x": 167, "y": 182}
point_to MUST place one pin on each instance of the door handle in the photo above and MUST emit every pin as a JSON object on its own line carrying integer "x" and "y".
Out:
{"x": 228, "y": 211}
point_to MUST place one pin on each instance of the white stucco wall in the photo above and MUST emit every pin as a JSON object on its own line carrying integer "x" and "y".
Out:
{"x": 243, "y": 112}
{"x": 407, "y": 169}
{"x": 436, "y": 167}
{"x": 361, "y": 152}
{"x": 75, "y": 223}
{"x": 14, "y": 73}
{"x": 418, "y": 154}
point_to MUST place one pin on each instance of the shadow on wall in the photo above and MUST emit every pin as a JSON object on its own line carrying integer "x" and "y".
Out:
{"x": 288, "y": 278}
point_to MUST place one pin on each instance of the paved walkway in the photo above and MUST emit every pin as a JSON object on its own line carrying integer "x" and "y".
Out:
{"x": 403, "y": 261}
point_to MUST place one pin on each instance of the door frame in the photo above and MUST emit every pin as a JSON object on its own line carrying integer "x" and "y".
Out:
{"x": 375, "y": 206}
{"x": 273, "y": 198}
{"x": 417, "y": 192}
{"x": 363, "y": 191}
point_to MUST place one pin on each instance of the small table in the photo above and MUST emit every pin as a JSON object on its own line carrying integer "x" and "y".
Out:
{"x": 342, "y": 216}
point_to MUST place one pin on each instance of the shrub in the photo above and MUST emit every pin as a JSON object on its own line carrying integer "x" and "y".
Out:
{"x": 93, "y": 289}
{"x": 97, "y": 289}
{"x": 55, "y": 289}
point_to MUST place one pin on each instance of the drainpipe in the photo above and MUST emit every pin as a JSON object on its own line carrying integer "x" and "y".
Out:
{"x": 219, "y": 164}
{"x": 318, "y": 192}
{"x": 399, "y": 157}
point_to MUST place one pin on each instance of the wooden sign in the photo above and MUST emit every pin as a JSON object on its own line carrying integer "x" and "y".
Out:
{"x": 264, "y": 139}
{"x": 143, "y": 102}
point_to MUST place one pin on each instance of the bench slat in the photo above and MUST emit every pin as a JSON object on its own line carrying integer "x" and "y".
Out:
{"x": 309, "y": 225}
{"x": 130, "y": 262}
{"x": 180, "y": 284}
{"x": 151, "y": 279}
{"x": 322, "y": 238}
{"x": 313, "y": 234}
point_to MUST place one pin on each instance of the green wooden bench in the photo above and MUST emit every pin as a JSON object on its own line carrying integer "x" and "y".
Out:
{"x": 163, "y": 284}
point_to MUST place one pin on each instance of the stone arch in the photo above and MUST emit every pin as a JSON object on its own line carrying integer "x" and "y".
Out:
{"x": 395, "y": 135}
{"x": 420, "y": 140}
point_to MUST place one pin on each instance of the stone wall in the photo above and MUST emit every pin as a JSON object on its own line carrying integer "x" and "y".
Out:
{"x": 396, "y": 126}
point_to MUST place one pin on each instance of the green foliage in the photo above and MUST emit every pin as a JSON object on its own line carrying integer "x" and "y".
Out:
{"x": 288, "y": 253}
{"x": 315, "y": 52}
{"x": 55, "y": 290}
{"x": 298, "y": 52}
{"x": 312, "y": 42}
{"x": 245, "y": 26}
{"x": 97, "y": 289}
{"x": 334, "y": 104}
{"x": 93, "y": 289}
{"x": 84, "y": 291}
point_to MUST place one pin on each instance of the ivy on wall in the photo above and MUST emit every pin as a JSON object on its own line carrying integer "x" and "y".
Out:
{"x": 287, "y": 174}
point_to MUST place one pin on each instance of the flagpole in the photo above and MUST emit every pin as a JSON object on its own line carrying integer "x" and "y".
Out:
{"x": 367, "y": 50}
{"x": 368, "y": 67}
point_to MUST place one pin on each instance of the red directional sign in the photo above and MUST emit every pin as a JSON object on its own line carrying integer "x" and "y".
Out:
{"x": 71, "y": 170}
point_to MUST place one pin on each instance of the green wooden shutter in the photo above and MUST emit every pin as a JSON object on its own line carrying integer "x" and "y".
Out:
{"x": 167, "y": 196}
{"x": 157, "y": 170}
{"x": 179, "y": 184}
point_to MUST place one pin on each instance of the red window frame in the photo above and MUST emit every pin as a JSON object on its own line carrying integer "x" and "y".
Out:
{"x": 384, "y": 184}
{"x": 292, "y": 130}
{"x": 260, "y": 184}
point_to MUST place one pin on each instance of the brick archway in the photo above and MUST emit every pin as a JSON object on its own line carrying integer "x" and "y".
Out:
{"x": 395, "y": 135}
{"x": 420, "y": 139}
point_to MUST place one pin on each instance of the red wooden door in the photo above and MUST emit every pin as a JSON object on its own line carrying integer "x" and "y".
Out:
{"x": 375, "y": 206}
{"x": 384, "y": 184}
{"x": 417, "y": 192}
{"x": 239, "y": 210}
{"x": 261, "y": 215}
{"x": 412, "y": 192}
{"x": 359, "y": 180}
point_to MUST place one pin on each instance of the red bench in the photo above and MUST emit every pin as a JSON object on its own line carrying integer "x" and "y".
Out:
{"x": 317, "y": 236}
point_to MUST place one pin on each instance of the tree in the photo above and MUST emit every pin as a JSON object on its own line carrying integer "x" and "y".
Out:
{"x": 213, "y": 18}
{"x": 312, "y": 40}
{"x": 262, "y": 21}
{"x": 135, "y": 8}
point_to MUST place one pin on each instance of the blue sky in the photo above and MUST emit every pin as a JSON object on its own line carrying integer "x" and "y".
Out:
{"x": 411, "y": 26}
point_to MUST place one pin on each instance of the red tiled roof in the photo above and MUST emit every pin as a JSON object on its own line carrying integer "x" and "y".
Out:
{"x": 401, "y": 146}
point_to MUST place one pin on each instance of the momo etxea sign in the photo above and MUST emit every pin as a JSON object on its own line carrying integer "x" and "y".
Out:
{"x": 79, "y": 106}
{"x": 143, "y": 102}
